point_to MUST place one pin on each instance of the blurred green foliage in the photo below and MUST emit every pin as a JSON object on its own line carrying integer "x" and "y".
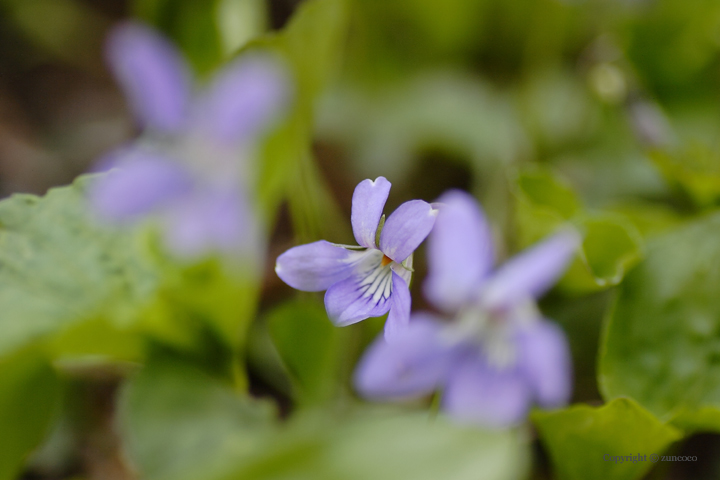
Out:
{"x": 311, "y": 45}
{"x": 611, "y": 244}
{"x": 59, "y": 268}
{"x": 309, "y": 346}
{"x": 584, "y": 442}
{"x": 384, "y": 445}
{"x": 660, "y": 345}
{"x": 29, "y": 400}
{"x": 181, "y": 423}
{"x": 600, "y": 115}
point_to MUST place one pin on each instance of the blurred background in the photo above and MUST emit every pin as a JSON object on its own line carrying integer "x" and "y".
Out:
{"x": 603, "y": 113}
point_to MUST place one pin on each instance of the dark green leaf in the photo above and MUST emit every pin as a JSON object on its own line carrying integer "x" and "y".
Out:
{"x": 30, "y": 394}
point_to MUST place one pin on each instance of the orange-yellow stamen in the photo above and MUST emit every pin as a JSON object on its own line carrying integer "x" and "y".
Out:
{"x": 385, "y": 261}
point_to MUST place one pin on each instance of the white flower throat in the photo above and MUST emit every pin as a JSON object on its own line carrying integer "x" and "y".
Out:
{"x": 374, "y": 271}
{"x": 493, "y": 330}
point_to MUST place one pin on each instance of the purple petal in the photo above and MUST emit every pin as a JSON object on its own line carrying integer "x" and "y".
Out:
{"x": 243, "y": 99}
{"x": 139, "y": 182}
{"x": 406, "y": 228}
{"x": 153, "y": 75}
{"x": 315, "y": 266}
{"x": 415, "y": 363}
{"x": 367, "y": 206}
{"x": 545, "y": 361}
{"x": 399, "y": 316}
{"x": 215, "y": 221}
{"x": 531, "y": 273}
{"x": 460, "y": 251}
{"x": 479, "y": 394}
{"x": 365, "y": 294}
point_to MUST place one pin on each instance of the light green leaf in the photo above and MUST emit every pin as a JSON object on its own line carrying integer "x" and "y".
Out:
{"x": 30, "y": 394}
{"x": 543, "y": 203}
{"x": 695, "y": 170}
{"x": 649, "y": 218}
{"x": 207, "y": 293}
{"x": 58, "y": 268}
{"x": 97, "y": 339}
{"x": 309, "y": 344}
{"x": 705, "y": 419}
{"x": 312, "y": 45}
{"x": 385, "y": 445}
{"x": 611, "y": 247}
{"x": 612, "y": 442}
{"x": 99, "y": 290}
{"x": 611, "y": 244}
{"x": 541, "y": 189}
{"x": 179, "y": 423}
{"x": 661, "y": 344}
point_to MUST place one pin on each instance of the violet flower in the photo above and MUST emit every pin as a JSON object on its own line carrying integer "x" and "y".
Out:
{"x": 371, "y": 279}
{"x": 189, "y": 166}
{"x": 498, "y": 356}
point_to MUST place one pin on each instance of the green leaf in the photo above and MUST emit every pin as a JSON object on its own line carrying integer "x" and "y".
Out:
{"x": 611, "y": 247}
{"x": 701, "y": 419}
{"x": 385, "y": 445}
{"x": 309, "y": 345}
{"x": 312, "y": 45}
{"x": 694, "y": 170}
{"x": 541, "y": 189}
{"x": 191, "y": 24}
{"x": 98, "y": 339}
{"x": 612, "y": 442}
{"x": 58, "y": 268}
{"x": 207, "y": 32}
{"x": 179, "y": 423}
{"x": 30, "y": 394}
{"x": 611, "y": 244}
{"x": 649, "y": 218}
{"x": 543, "y": 203}
{"x": 207, "y": 293}
{"x": 99, "y": 291}
{"x": 661, "y": 344}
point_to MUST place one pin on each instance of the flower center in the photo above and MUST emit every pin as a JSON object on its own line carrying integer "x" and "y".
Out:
{"x": 385, "y": 261}
{"x": 377, "y": 283}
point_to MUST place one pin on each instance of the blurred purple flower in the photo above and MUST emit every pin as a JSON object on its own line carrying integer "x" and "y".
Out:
{"x": 372, "y": 279}
{"x": 498, "y": 356}
{"x": 187, "y": 167}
